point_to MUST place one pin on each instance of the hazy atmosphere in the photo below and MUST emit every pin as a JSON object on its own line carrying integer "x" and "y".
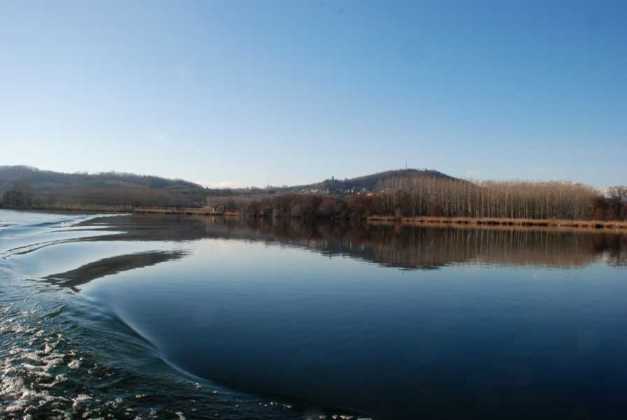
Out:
{"x": 238, "y": 93}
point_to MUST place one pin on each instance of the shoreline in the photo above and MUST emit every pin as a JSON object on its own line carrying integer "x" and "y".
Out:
{"x": 468, "y": 222}
{"x": 483, "y": 222}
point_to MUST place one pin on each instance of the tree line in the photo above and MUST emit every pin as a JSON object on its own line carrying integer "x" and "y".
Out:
{"x": 401, "y": 195}
{"x": 414, "y": 197}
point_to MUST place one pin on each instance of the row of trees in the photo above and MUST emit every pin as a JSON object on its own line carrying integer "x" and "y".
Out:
{"x": 616, "y": 203}
{"x": 17, "y": 199}
{"x": 524, "y": 200}
{"x": 451, "y": 198}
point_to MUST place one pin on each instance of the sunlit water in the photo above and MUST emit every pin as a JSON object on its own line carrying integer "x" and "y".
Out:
{"x": 165, "y": 317}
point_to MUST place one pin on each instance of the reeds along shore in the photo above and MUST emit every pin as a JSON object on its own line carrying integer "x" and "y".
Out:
{"x": 504, "y": 222}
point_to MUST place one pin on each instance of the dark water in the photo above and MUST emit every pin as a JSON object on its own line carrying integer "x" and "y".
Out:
{"x": 165, "y": 317}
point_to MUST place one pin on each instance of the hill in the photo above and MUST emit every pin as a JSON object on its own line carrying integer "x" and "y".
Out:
{"x": 26, "y": 187}
{"x": 376, "y": 182}
{"x": 399, "y": 179}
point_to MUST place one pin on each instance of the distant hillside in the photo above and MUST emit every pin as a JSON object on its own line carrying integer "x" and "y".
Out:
{"x": 26, "y": 187}
{"x": 22, "y": 186}
{"x": 372, "y": 183}
{"x": 404, "y": 179}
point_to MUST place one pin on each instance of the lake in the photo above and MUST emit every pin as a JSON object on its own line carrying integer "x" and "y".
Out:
{"x": 133, "y": 316}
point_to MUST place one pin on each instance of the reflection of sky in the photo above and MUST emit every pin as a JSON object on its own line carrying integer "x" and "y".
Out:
{"x": 10, "y": 217}
{"x": 29, "y": 231}
{"x": 266, "y": 314}
{"x": 244, "y": 273}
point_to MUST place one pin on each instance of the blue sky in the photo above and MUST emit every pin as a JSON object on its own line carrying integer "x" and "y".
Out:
{"x": 288, "y": 92}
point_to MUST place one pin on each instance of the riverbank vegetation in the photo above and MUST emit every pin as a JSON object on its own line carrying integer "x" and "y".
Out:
{"x": 437, "y": 197}
{"x": 408, "y": 194}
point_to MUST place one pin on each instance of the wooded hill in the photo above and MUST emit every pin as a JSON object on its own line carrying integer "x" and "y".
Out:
{"x": 26, "y": 187}
{"x": 377, "y": 182}
{"x": 371, "y": 183}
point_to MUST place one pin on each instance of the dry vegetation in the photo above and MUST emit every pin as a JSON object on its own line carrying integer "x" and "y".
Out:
{"x": 409, "y": 195}
{"x": 446, "y": 198}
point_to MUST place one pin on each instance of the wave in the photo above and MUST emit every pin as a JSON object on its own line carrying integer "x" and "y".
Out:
{"x": 66, "y": 355}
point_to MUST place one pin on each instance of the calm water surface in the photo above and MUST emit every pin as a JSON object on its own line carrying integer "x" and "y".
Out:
{"x": 166, "y": 317}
